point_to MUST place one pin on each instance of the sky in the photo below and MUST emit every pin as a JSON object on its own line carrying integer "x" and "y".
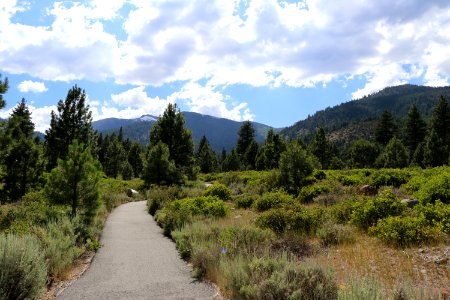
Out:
{"x": 269, "y": 61}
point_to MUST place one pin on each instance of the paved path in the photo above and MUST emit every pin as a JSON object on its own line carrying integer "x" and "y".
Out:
{"x": 136, "y": 262}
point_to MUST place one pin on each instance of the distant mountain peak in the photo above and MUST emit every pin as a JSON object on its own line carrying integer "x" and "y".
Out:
{"x": 148, "y": 118}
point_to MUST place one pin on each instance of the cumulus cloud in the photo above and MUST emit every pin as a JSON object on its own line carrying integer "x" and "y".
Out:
{"x": 223, "y": 42}
{"x": 39, "y": 115}
{"x": 32, "y": 86}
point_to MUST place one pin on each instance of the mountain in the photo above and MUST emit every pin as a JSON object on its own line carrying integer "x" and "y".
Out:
{"x": 357, "y": 118}
{"x": 221, "y": 133}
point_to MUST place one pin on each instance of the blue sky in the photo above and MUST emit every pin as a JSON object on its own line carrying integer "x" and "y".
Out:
{"x": 270, "y": 61}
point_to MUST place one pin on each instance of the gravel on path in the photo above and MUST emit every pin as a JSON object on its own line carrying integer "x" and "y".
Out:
{"x": 137, "y": 262}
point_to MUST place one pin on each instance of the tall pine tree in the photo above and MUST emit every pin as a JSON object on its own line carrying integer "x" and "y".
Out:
{"x": 415, "y": 130}
{"x": 205, "y": 157}
{"x": 321, "y": 148}
{"x": 23, "y": 156}
{"x": 386, "y": 128}
{"x": 245, "y": 139}
{"x": 3, "y": 89}
{"x": 73, "y": 121}
{"x": 170, "y": 130}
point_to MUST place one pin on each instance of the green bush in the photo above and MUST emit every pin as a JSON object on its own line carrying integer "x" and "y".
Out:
{"x": 281, "y": 278}
{"x": 180, "y": 212}
{"x": 390, "y": 177}
{"x": 405, "y": 231}
{"x": 437, "y": 215}
{"x": 319, "y": 174}
{"x": 436, "y": 188}
{"x": 367, "y": 214}
{"x": 245, "y": 201}
{"x": 23, "y": 272}
{"x": 59, "y": 243}
{"x": 308, "y": 193}
{"x": 335, "y": 234}
{"x": 111, "y": 200}
{"x": 159, "y": 196}
{"x": 272, "y": 199}
{"x": 296, "y": 219}
{"x": 219, "y": 190}
{"x": 342, "y": 211}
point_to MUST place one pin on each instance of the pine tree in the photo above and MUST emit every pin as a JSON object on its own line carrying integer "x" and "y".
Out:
{"x": 250, "y": 155}
{"x": 269, "y": 155}
{"x": 205, "y": 157}
{"x": 435, "y": 150}
{"x": 415, "y": 130}
{"x": 23, "y": 156}
{"x": 394, "y": 155}
{"x": 4, "y": 85}
{"x": 321, "y": 148}
{"x": 115, "y": 157}
{"x": 170, "y": 130}
{"x": 135, "y": 158}
{"x": 127, "y": 171}
{"x": 232, "y": 162}
{"x": 158, "y": 167}
{"x": 76, "y": 182}
{"x": 386, "y": 128}
{"x": 73, "y": 121}
{"x": 363, "y": 154}
{"x": 295, "y": 166}
{"x": 245, "y": 139}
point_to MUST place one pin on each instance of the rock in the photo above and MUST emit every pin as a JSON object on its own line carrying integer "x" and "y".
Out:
{"x": 368, "y": 190}
{"x": 410, "y": 202}
{"x": 131, "y": 193}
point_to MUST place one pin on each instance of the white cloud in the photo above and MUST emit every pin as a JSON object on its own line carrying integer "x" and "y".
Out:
{"x": 32, "y": 86}
{"x": 39, "y": 115}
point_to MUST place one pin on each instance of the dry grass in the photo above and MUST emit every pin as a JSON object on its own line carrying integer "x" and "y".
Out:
{"x": 392, "y": 268}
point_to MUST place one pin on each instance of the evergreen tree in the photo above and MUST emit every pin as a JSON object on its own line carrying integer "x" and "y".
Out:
{"x": 23, "y": 156}
{"x": 205, "y": 157}
{"x": 232, "y": 162}
{"x": 4, "y": 85}
{"x": 135, "y": 158}
{"x": 322, "y": 148}
{"x": 170, "y": 130}
{"x": 394, "y": 155}
{"x": 435, "y": 150}
{"x": 363, "y": 154}
{"x": 415, "y": 130}
{"x": 245, "y": 139}
{"x": 158, "y": 167}
{"x": 440, "y": 120}
{"x": 73, "y": 121}
{"x": 386, "y": 128}
{"x": 295, "y": 166}
{"x": 76, "y": 182}
{"x": 250, "y": 155}
{"x": 127, "y": 171}
{"x": 115, "y": 157}
{"x": 269, "y": 155}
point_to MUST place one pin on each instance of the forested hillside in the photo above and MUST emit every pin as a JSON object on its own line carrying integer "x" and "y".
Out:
{"x": 221, "y": 133}
{"x": 355, "y": 119}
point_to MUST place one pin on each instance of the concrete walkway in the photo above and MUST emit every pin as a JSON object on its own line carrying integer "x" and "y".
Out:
{"x": 136, "y": 262}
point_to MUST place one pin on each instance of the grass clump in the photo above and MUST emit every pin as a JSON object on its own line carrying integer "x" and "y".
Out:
{"x": 23, "y": 272}
{"x": 218, "y": 190}
{"x": 159, "y": 196}
{"x": 335, "y": 234}
{"x": 272, "y": 199}
{"x": 59, "y": 243}
{"x": 245, "y": 201}
{"x": 278, "y": 278}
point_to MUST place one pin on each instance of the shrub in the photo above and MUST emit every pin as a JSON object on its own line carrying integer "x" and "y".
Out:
{"x": 436, "y": 188}
{"x": 319, "y": 174}
{"x": 23, "y": 273}
{"x": 342, "y": 211}
{"x": 272, "y": 199}
{"x": 368, "y": 213}
{"x": 437, "y": 215}
{"x": 219, "y": 190}
{"x": 58, "y": 241}
{"x": 111, "y": 200}
{"x": 335, "y": 234}
{"x": 158, "y": 196}
{"x": 296, "y": 219}
{"x": 308, "y": 193}
{"x": 179, "y": 212}
{"x": 405, "y": 231}
{"x": 390, "y": 177}
{"x": 245, "y": 201}
{"x": 281, "y": 278}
